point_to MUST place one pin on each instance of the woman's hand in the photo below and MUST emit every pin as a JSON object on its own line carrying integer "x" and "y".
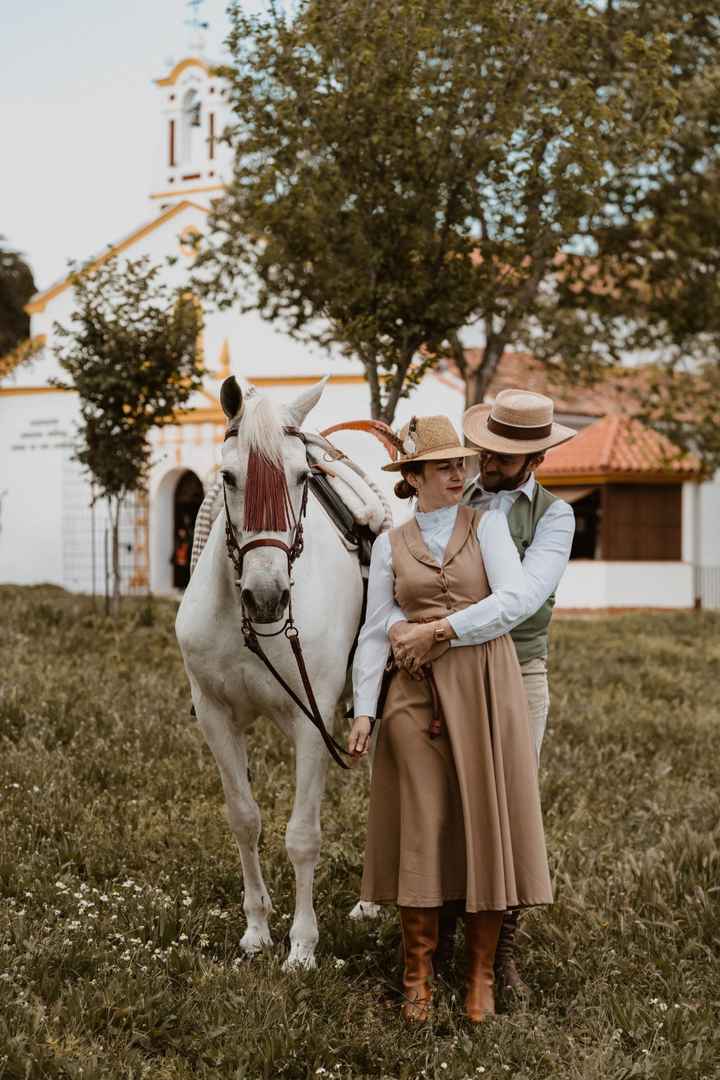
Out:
{"x": 414, "y": 644}
{"x": 359, "y": 738}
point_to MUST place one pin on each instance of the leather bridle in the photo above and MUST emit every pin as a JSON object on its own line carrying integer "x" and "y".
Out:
{"x": 293, "y": 551}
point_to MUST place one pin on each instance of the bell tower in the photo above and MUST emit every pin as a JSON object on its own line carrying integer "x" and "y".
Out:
{"x": 190, "y": 160}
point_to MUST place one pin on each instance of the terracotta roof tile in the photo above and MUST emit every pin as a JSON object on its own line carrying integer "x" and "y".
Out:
{"x": 619, "y": 445}
{"x": 518, "y": 369}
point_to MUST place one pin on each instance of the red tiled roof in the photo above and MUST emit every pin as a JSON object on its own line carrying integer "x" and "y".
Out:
{"x": 619, "y": 445}
{"x": 615, "y": 394}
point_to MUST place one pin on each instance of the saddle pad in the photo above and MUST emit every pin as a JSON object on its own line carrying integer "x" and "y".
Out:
{"x": 362, "y": 498}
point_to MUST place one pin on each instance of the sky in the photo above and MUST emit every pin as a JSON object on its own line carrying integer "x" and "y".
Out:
{"x": 79, "y": 117}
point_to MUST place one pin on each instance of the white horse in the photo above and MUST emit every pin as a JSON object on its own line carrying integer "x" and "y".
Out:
{"x": 231, "y": 687}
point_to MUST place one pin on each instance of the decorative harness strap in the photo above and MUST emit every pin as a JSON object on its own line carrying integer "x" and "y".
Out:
{"x": 251, "y": 635}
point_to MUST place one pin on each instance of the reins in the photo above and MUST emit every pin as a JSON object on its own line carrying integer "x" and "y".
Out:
{"x": 293, "y": 551}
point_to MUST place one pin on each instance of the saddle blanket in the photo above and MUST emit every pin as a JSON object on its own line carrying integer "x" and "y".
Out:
{"x": 361, "y": 498}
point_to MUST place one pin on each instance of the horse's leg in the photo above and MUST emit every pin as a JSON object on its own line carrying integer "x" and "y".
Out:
{"x": 229, "y": 749}
{"x": 302, "y": 839}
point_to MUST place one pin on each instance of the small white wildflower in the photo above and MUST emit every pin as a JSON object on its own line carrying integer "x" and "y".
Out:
{"x": 182, "y": 937}
{"x": 339, "y": 962}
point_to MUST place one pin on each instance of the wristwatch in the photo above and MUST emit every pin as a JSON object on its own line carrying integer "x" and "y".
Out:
{"x": 441, "y": 634}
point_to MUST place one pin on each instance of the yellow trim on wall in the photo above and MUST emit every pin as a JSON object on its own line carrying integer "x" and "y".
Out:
{"x": 22, "y": 352}
{"x": 17, "y": 391}
{"x": 187, "y": 191}
{"x": 41, "y": 300}
{"x": 303, "y": 380}
{"x": 183, "y": 65}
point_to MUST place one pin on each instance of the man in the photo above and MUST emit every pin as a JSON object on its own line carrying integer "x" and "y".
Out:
{"x": 513, "y": 435}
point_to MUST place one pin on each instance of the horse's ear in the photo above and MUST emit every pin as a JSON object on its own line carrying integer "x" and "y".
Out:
{"x": 303, "y": 403}
{"x": 231, "y": 397}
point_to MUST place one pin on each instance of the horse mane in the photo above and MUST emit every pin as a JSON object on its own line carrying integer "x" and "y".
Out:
{"x": 261, "y": 429}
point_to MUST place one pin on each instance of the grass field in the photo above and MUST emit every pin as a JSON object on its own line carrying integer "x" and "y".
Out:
{"x": 121, "y": 893}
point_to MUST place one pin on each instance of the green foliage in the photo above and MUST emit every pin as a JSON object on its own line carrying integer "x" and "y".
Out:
{"x": 121, "y": 895}
{"x": 131, "y": 354}
{"x": 402, "y": 170}
{"x": 658, "y": 254}
{"x": 16, "y": 288}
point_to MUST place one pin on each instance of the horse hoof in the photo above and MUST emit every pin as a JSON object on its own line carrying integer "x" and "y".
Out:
{"x": 300, "y": 960}
{"x": 254, "y": 941}
{"x": 365, "y": 909}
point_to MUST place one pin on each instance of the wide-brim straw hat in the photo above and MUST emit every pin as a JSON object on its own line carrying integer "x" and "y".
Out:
{"x": 429, "y": 438}
{"x": 517, "y": 422}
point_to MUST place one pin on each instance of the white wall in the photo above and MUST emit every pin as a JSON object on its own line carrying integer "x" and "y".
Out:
{"x": 35, "y": 446}
{"x": 596, "y": 584}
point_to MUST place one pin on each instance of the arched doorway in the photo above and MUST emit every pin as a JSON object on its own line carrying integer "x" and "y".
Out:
{"x": 188, "y": 499}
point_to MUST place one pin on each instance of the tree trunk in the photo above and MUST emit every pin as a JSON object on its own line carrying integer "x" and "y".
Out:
{"x": 477, "y": 382}
{"x": 115, "y": 506}
{"x": 396, "y": 384}
{"x": 371, "y": 372}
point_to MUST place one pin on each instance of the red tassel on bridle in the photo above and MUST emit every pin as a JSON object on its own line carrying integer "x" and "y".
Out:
{"x": 267, "y": 499}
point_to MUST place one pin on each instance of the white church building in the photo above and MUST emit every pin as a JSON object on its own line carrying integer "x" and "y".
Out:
{"x": 50, "y": 532}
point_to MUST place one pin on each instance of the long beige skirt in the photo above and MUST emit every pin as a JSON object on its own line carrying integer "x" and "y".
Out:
{"x": 457, "y": 817}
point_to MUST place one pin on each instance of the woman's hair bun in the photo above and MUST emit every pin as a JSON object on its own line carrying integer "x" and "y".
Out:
{"x": 404, "y": 489}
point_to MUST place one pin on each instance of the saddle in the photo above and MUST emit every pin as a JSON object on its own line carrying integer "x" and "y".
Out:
{"x": 355, "y": 504}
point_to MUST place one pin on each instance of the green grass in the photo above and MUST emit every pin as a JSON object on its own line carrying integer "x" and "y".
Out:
{"x": 121, "y": 896}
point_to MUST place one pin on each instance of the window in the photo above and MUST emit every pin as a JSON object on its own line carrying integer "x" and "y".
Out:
{"x": 191, "y": 126}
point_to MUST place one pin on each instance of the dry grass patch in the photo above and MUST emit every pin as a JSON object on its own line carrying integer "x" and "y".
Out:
{"x": 121, "y": 899}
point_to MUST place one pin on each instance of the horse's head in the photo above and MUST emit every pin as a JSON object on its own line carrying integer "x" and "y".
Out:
{"x": 265, "y": 474}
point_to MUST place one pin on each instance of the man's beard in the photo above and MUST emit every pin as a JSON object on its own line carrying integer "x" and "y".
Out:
{"x": 498, "y": 482}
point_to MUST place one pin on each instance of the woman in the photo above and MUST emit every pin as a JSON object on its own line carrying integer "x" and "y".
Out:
{"x": 454, "y": 805}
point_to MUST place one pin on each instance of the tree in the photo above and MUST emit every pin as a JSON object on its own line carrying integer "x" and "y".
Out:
{"x": 403, "y": 170}
{"x": 16, "y": 288}
{"x": 655, "y": 276}
{"x": 132, "y": 355}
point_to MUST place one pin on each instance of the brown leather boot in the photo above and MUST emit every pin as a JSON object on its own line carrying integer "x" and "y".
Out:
{"x": 506, "y": 972}
{"x": 482, "y": 929}
{"x": 446, "y": 935}
{"x": 420, "y": 938}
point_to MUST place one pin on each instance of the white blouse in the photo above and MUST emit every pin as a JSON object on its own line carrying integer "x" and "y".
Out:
{"x": 504, "y": 574}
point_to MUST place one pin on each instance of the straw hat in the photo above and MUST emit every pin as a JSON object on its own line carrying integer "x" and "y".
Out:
{"x": 518, "y": 422}
{"x": 429, "y": 438}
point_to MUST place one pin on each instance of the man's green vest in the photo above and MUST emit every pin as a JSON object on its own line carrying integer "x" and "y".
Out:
{"x": 531, "y": 636}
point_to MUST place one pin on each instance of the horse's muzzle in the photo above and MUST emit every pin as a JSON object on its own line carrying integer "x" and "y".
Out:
{"x": 266, "y": 606}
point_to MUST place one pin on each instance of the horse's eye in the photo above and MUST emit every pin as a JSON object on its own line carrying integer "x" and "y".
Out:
{"x": 229, "y": 479}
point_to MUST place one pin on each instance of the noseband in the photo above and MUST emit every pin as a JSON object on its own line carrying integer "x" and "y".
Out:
{"x": 293, "y": 550}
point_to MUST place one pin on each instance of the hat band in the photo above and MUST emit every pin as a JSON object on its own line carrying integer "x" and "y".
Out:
{"x": 510, "y": 431}
{"x": 432, "y": 450}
